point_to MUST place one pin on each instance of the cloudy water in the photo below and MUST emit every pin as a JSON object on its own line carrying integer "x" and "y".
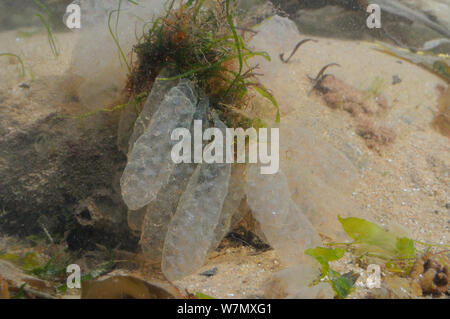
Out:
{"x": 171, "y": 149}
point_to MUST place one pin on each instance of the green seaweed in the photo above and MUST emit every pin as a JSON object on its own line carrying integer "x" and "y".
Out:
{"x": 115, "y": 36}
{"x": 370, "y": 240}
{"x": 265, "y": 93}
{"x": 341, "y": 284}
{"x": 100, "y": 270}
{"x": 376, "y": 87}
{"x": 237, "y": 40}
{"x": 19, "y": 59}
{"x": 25, "y": 34}
{"x": 49, "y": 270}
{"x": 201, "y": 45}
{"x": 26, "y": 262}
{"x": 9, "y": 257}
{"x": 365, "y": 232}
{"x": 200, "y": 295}
{"x": 45, "y": 22}
{"x": 20, "y": 294}
{"x": 442, "y": 68}
{"x": 324, "y": 256}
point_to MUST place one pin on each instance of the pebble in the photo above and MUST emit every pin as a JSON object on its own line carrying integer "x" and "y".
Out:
{"x": 24, "y": 85}
{"x": 396, "y": 79}
{"x": 209, "y": 273}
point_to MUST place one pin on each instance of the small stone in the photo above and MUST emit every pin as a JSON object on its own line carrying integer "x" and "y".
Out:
{"x": 396, "y": 79}
{"x": 24, "y": 85}
{"x": 209, "y": 273}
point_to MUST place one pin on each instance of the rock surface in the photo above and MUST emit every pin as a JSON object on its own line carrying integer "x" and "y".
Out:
{"x": 408, "y": 22}
{"x": 16, "y": 279}
{"x": 54, "y": 170}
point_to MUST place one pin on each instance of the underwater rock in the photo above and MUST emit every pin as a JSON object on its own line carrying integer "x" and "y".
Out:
{"x": 16, "y": 280}
{"x": 420, "y": 11}
{"x": 101, "y": 219}
{"x": 406, "y": 20}
{"x": 51, "y": 165}
{"x": 432, "y": 273}
{"x": 127, "y": 287}
{"x": 286, "y": 228}
{"x": 192, "y": 229}
{"x": 160, "y": 211}
{"x": 332, "y": 21}
{"x": 18, "y": 14}
{"x": 395, "y": 287}
{"x": 149, "y": 163}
